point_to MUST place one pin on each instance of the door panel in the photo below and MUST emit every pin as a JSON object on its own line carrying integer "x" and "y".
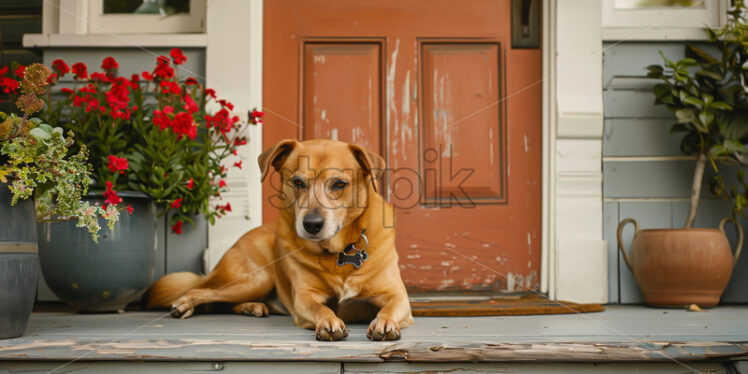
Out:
{"x": 436, "y": 88}
{"x": 461, "y": 83}
{"x": 342, "y": 82}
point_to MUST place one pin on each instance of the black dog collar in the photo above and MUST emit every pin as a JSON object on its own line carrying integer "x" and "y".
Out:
{"x": 357, "y": 258}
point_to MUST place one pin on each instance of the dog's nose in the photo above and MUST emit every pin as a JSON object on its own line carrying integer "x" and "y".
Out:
{"x": 313, "y": 223}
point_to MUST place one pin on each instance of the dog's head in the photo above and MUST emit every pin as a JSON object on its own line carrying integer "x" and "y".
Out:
{"x": 324, "y": 183}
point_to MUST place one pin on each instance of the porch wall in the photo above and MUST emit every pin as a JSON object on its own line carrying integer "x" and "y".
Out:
{"x": 174, "y": 252}
{"x": 644, "y": 174}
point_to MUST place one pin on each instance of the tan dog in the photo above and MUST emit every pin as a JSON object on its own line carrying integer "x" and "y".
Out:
{"x": 328, "y": 199}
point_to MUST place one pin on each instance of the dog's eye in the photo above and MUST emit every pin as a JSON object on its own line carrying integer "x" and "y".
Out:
{"x": 298, "y": 182}
{"x": 339, "y": 184}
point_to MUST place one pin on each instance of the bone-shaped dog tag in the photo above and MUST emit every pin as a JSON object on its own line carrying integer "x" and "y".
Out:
{"x": 355, "y": 259}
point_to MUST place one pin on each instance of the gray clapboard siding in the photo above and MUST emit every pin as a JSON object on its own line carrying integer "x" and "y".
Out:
{"x": 647, "y": 179}
{"x": 639, "y": 165}
{"x": 632, "y": 104}
{"x": 131, "y": 60}
{"x": 640, "y": 137}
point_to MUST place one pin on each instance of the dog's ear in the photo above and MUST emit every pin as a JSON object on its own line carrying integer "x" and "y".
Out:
{"x": 275, "y": 156}
{"x": 372, "y": 163}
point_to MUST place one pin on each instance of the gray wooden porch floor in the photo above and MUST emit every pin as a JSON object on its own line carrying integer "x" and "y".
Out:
{"x": 621, "y": 333}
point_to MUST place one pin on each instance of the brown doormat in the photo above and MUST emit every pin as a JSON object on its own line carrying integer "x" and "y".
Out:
{"x": 500, "y": 306}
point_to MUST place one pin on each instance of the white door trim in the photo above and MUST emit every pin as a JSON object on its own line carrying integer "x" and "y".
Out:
{"x": 233, "y": 67}
{"x": 574, "y": 262}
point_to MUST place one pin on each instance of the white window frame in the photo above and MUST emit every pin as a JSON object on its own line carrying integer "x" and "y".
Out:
{"x": 101, "y": 23}
{"x": 66, "y": 23}
{"x": 662, "y": 23}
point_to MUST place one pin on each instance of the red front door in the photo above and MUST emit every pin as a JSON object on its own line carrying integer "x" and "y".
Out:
{"x": 437, "y": 89}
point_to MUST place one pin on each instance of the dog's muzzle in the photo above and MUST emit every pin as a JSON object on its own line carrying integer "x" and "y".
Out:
{"x": 313, "y": 223}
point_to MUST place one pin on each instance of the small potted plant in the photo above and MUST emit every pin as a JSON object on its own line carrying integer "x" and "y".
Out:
{"x": 35, "y": 162}
{"x": 151, "y": 138}
{"x": 709, "y": 97}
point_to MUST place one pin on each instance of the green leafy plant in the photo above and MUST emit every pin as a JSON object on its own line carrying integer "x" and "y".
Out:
{"x": 151, "y": 133}
{"x": 38, "y": 162}
{"x": 709, "y": 97}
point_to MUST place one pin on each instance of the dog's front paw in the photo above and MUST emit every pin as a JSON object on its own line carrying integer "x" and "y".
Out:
{"x": 383, "y": 329}
{"x": 182, "y": 308}
{"x": 330, "y": 329}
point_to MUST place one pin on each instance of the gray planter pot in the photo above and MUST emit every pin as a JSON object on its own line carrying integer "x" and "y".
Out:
{"x": 18, "y": 264}
{"x": 101, "y": 277}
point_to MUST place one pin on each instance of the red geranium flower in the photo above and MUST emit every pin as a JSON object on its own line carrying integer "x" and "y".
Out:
{"x": 168, "y": 87}
{"x": 147, "y": 76}
{"x": 129, "y": 209}
{"x": 177, "y": 228}
{"x": 256, "y": 117}
{"x": 111, "y": 196}
{"x": 99, "y": 77}
{"x": 177, "y": 56}
{"x": 19, "y": 71}
{"x": 61, "y": 67}
{"x": 109, "y": 64}
{"x": 9, "y": 85}
{"x": 189, "y": 104}
{"x": 190, "y": 184}
{"x": 163, "y": 69}
{"x": 210, "y": 92}
{"x": 221, "y": 183}
{"x": 238, "y": 164}
{"x": 226, "y": 104}
{"x": 191, "y": 81}
{"x": 176, "y": 204}
{"x": 66, "y": 90}
{"x": 117, "y": 164}
{"x": 239, "y": 141}
{"x": 80, "y": 70}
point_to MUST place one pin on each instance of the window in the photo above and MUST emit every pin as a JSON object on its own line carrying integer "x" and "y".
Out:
{"x": 130, "y": 16}
{"x": 661, "y": 19}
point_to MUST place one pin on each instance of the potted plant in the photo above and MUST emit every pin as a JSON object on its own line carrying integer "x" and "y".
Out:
{"x": 35, "y": 162}
{"x": 150, "y": 136}
{"x": 709, "y": 97}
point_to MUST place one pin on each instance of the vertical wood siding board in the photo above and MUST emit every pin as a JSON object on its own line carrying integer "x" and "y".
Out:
{"x": 610, "y": 225}
{"x": 640, "y": 137}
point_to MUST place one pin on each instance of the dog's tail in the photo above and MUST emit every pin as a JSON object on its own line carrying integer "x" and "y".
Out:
{"x": 169, "y": 288}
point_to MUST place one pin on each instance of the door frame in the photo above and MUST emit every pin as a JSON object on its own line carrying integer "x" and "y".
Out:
{"x": 572, "y": 129}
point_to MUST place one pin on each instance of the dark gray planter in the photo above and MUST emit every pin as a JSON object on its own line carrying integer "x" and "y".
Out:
{"x": 101, "y": 277}
{"x": 18, "y": 264}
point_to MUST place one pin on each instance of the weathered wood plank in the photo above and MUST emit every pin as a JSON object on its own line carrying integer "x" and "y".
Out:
{"x": 619, "y": 334}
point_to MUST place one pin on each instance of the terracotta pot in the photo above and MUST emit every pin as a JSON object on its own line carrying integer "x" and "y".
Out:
{"x": 680, "y": 267}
